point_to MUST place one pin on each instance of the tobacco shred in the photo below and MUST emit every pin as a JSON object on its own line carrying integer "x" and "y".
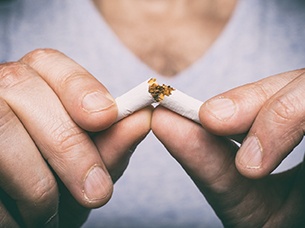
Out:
{"x": 159, "y": 91}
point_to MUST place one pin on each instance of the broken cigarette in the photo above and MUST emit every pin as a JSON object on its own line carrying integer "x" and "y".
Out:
{"x": 150, "y": 92}
{"x": 133, "y": 100}
{"x": 183, "y": 104}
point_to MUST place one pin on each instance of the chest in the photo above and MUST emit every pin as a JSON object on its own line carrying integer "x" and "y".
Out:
{"x": 168, "y": 36}
{"x": 170, "y": 48}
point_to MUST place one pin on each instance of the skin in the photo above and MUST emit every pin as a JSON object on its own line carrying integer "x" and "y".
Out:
{"x": 163, "y": 27}
{"x": 60, "y": 153}
{"x": 239, "y": 201}
{"x": 275, "y": 112}
{"x": 74, "y": 133}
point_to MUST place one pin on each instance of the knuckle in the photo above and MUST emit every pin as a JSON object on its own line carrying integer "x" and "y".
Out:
{"x": 68, "y": 72}
{"x": 286, "y": 114}
{"x": 45, "y": 192}
{"x": 284, "y": 108}
{"x": 260, "y": 90}
{"x": 73, "y": 76}
{"x": 66, "y": 136}
{"x": 38, "y": 54}
{"x": 13, "y": 73}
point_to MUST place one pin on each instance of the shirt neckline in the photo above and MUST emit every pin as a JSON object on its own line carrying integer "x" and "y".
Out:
{"x": 224, "y": 38}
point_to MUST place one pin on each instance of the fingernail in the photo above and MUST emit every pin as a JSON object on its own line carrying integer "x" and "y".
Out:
{"x": 251, "y": 153}
{"x": 98, "y": 184}
{"x": 96, "y": 101}
{"x": 222, "y": 108}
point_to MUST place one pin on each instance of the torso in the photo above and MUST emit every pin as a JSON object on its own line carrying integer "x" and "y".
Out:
{"x": 167, "y": 37}
{"x": 262, "y": 38}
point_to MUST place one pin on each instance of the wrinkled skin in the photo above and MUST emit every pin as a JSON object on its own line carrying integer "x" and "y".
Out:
{"x": 237, "y": 181}
{"x": 49, "y": 104}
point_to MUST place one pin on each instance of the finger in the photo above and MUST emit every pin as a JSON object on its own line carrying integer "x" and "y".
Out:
{"x": 209, "y": 160}
{"x": 117, "y": 143}
{"x": 66, "y": 147}
{"x": 233, "y": 112}
{"x": 31, "y": 187}
{"x": 277, "y": 129}
{"x": 87, "y": 101}
{"x": 199, "y": 152}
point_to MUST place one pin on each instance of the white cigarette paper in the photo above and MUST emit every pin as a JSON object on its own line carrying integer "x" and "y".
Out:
{"x": 150, "y": 92}
{"x": 134, "y": 100}
{"x": 183, "y": 104}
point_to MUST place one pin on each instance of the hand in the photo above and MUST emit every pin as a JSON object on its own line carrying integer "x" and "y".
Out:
{"x": 274, "y": 201}
{"x": 115, "y": 157}
{"x": 270, "y": 113}
{"x": 48, "y": 104}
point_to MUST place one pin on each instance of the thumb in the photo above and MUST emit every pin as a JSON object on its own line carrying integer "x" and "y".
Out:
{"x": 234, "y": 111}
{"x": 271, "y": 113}
{"x": 209, "y": 160}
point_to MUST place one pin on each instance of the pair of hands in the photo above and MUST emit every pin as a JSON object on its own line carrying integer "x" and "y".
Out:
{"x": 53, "y": 168}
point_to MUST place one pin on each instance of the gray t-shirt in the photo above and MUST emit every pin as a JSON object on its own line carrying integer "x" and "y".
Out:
{"x": 261, "y": 39}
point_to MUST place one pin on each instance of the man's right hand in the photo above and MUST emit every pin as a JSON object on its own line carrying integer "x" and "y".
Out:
{"x": 48, "y": 104}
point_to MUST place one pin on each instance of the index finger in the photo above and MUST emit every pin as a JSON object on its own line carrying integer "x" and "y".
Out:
{"x": 66, "y": 147}
{"x": 271, "y": 113}
{"x": 234, "y": 111}
{"x": 87, "y": 101}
